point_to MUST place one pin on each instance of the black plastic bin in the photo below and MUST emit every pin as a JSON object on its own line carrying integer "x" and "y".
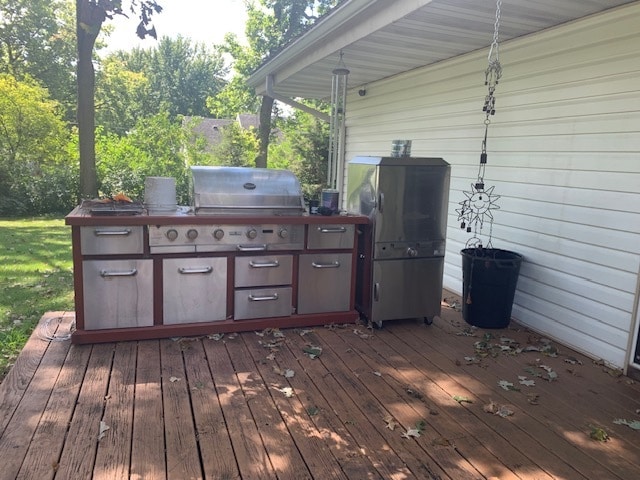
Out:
{"x": 489, "y": 278}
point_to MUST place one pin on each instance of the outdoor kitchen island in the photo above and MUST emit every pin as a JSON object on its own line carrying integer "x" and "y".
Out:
{"x": 155, "y": 276}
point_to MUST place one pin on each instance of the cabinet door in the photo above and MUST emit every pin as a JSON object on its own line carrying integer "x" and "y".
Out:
{"x": 194, "y": 289}
{"x": 324, "y": 283}
{"x": 117, "y": 293}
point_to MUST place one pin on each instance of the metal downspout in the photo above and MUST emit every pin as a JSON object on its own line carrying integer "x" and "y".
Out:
{"x": 289, "y": 101}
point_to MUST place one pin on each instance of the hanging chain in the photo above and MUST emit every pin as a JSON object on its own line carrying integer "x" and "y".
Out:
{"x": 492, "y": 76}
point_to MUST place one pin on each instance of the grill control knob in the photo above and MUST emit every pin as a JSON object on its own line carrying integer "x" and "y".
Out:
{"x": 412, "y": 252}
{"x": 192, "y": 234}
{"x": 218, "y": 233}
{"x": 171, "y": 234}
{"x": 283, "y": 233}
{"x": 252, "y": 233}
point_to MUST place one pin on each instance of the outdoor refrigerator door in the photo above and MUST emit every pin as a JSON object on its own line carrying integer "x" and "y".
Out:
{"x": 406, "y": 288}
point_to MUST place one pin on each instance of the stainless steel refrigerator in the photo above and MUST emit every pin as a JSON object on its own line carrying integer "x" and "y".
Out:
{"x": 401, "y": 252}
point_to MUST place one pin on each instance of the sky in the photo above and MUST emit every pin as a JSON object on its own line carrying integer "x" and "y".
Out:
{"x": 203, "y": 21}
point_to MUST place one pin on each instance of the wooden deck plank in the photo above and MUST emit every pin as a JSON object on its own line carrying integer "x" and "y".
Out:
{"x": 332, "y": 386}
{"x": 218, "y": 461}
{"x": 113, "y": 457}
{"x": 79, "y": 451}
{"x": 563, "y": 416}
{"x": 148, "y": 445}
{"x": 251, "y": 456}
{"x": 183, "y": 461}
{"x": 427, "y": 459}
{"x": 207, "y": 409}
{"x": 317, "y": 455}
{"x": 350, "y": 455}
{"x": 17, "y": 380}
{"x": 283, "y": 454}
{"x": 491, "y": 454}
{"x": 565, "y": 459}
{"x": 42, "y": 459}
{"x": 26, "y": 417}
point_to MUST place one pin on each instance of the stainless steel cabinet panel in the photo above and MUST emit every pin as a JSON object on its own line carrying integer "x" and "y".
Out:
{"x": 262, "y": 302}
{"x": 194, "y": 289}
{"x": 117, "y": 293}
{"x": 409, "y": 288}
{"x": 330, "y": 236}
{"x": 263, "y": 270}
{"x": 112, "y": 240}
{"x": 324, "y": 283}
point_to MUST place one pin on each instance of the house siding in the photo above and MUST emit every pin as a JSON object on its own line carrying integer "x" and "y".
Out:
{"x": 563, "y": 153}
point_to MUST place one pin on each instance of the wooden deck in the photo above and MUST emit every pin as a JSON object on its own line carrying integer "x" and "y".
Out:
{"x": 258, "y": 406}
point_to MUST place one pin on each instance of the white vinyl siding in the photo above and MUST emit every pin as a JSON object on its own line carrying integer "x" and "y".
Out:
{"x": 563, "y": 153}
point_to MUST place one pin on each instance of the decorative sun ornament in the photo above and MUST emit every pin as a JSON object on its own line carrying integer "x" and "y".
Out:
{"x": 475, "y": 210}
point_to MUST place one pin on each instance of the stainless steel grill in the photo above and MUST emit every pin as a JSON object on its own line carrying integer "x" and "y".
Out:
{"x": 245, "y": 191}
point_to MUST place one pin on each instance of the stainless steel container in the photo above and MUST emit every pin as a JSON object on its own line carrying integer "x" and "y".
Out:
{"x": 406, "y": 199}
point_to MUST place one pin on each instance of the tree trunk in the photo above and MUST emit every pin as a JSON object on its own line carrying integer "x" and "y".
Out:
{"x": 264, "y": 131}
{"x": 89, "y": 19}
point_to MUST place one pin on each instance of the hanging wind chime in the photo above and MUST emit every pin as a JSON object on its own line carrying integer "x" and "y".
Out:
{"x": 476, "y": 209}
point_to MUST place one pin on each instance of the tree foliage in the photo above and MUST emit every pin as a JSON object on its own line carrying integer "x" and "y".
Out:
{"x": 37, "y": 40}
{"x": 180, "y": 76}
{"x": 271, "y": 25}
{"x": 33, "y": 140}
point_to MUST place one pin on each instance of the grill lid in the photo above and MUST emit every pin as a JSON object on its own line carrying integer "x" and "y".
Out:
{"x": 242, "y": 190}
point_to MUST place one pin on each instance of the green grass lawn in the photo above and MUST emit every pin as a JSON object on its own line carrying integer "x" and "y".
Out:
{"x": 36, "y": 276}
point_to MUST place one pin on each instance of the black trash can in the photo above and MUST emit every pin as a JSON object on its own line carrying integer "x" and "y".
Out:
{"x": 489, "y": 278}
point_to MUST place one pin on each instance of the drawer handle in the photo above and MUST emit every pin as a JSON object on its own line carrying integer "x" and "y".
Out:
{"x": 376, "y": 291}
{"x": 332, "y": 229}
{"x": 251, "y": 248}
{"x": 263, "y": 298}
{"x": 104, "y": 233}
{"x": 124, "y": 273}
{"x": 326, "y": 265}
{"x": 265, "y": 264}
{"x": 191, "y": 271}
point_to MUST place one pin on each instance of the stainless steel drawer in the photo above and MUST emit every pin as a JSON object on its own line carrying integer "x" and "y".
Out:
{"x": 117, "y": 293}
{"x": 263, "y": 270}
{"x": 194, "y": 289}
{"x": 111, "y": 240}
{"x": 330, "y": 236}
{"x": 324, "y": 282}
{"x": 262, "y": 303}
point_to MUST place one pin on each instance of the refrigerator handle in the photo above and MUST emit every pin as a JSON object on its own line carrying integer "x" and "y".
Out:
{"x": 376, "y": 291}
{"x": 380, "y": 202}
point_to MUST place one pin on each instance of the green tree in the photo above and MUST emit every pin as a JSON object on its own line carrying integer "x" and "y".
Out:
{"x": 154, "y": 147}
{"x": 238, "y": 147}
{"x": 181, "y": 75}
{"x": 33, "y": 140}
{"x": 37, "y": 40}
{"x": 90, "y": 15}
{"x": 271, "y": 25}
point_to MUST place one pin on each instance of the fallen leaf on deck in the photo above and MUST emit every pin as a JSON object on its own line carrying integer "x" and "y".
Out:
{"x": 305, "y": 331}
{"x": 391, "y": 423}
{"x": 288, "y": 391}
{"x": 532, "y": 398}
{"x": 635, "y": 424}
{"x": 525, "y": 382}
{"x": 216, "y": 336}
{"x": 460, "y": 399}
{"x": 312, "y": 351}
{"x": 377, "y": 374}
{"x": 505, "y": 385}
{"x": 288, "y": 373}
{"x": 599, "y": 434}
{"x": 411, "y": 432}
{"x": 174, "y": 379}
{"x": 504, "y": 411}
{"x": 361, "y": 334}
{"x": 103, "y": 429}
{"x": 313, "y": 411}
{"x": 271, "y": 356}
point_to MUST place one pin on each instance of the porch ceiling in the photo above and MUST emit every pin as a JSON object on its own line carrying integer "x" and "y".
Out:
{"x": 381, "y": 38}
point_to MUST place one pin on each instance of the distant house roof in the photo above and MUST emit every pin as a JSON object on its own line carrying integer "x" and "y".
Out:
{"x": 211, "y": 128}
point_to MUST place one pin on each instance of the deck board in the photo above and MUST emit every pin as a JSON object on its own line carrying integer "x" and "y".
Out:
{"x": 216, "y": 408}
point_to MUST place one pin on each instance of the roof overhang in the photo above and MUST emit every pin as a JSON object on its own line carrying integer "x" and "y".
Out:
{"x": 382, "y": 38}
